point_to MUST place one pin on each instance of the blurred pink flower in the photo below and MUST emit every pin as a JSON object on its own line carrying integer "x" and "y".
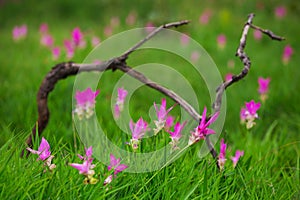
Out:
{"x": 47, "y": 40}
{"x": 221, "y": 41}
{"x": 184, "y": 39}
{"x": 287, "y": 53}
{"x": 150, "y": 27}
{"x": 43, "y": 28}
{"x": 122, "y": 93}
{"x": 222, "y": 159}
{"x": 69, "y": 49}
{"x": 115, "y": 165}
{"x": 202, "y": 130}
{"x": 85, "y": 103}
{"x": 77, "y": 38}
{"x": 243, "y": 115}
{"x": 195, "y": 56}
{"x": 263, "y": 87}
{"x": 19, "y": 32}
{"x": 131, "y": 18}
{"x": 95, "y": 41}
{"x": 108, "y": 30}
{"x": 237, "y": 156}
{"x": 280, "y": 12}
{"x": 257, "y": 34}
{"x": 55, "y": 53}
{"x": 228, "y": 76}
{"x": 205, "y": 17}
{"x": 169, "y": 122}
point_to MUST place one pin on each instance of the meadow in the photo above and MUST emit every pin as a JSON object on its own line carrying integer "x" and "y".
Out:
{"x": 270, "y": 166}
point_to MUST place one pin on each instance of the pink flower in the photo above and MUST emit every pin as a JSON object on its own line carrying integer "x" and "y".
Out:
{"x": 249, "y": 113}
{"x": 86, "y": 167}
{"x": 263, "y": 87}
{"x": 95, "y": 41}
{"x": 55, "y": 53}
{"x": 169, "y": 122}
{"x": 287, "y": 53}
{"x": 280, "y": 12}
{"x": 115, "y": 165}
{"x": 69, "y": 48}
{"x": 138, "y": 130}
{"x": 85, "y": 103}
{"x": 122, "y": 93}
{"x": 131, "y": 18}
{"x": 228, "y": 76}
{"x": 176, "y": 134}
{"x": 108, "y": 31}
{"x": 202, "y": 130}
{"x": 222, "y": 159}
{"x": 257, "y": 34}
{"x": 161, "y": 113}
{"x": 43, "y": 28}
{"x": 77, "y": 38}
{"x": 47, "y": 40}
{"x": 150, "y": 27}
{"x": 44, "y": 153}
{"x": 195, "y": 56}
{"x": 237, "y": 156}
{"x": 184, "y": 39}
{"x": 221, "y": 40}
{"x": 19, "y": 32}
{"x": 205, "y": 17}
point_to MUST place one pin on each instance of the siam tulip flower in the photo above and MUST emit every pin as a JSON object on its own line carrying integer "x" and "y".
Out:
{"x": 263, "y": 88}
{"x": 249, "y": 113}
{"x": 257, "y": 34}
{"x": 115, "y": 165}
{"x": 122, "y": 93}
{"x": 228, "y": 76}
{"x": 44, "y": 153}
{"x": 138, "y": 130}
{"x": 205, "y": 17}
{"x": 176, "y": 135}
{"x": 237, "y": 156}
{"x": 169, "y": 122}
{"x": 55, "y": 53}
{"x": 287, "y": 53}
{"x": 19, "y": 32}
{"x": 95, "y": 41}
{"x": 195, "y": 56}
{"x": 222, "y": 159}
{"x": 185, "y": 39}
{"x": 47, "y": 40}
{"x": 85, "y": 103}
{"x": 161, "y": 115}
{"x": 202, "y": 130}
{"x": 86, "y": 168}
{"x": 77, "y": 38}
{"x": 150, "y": 27}
{"x": 108, "y": 180}
{"x": 280, "y": 12}
{"x": 43, "y": 28}
{"x": 131, "y": 18}
{"x": 221, "y": 40}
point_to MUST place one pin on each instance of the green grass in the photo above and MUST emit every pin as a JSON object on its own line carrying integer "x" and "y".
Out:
{"x": 270, "y": 168}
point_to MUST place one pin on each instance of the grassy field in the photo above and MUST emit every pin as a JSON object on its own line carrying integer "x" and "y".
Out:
{"x": 270, "y": 167}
